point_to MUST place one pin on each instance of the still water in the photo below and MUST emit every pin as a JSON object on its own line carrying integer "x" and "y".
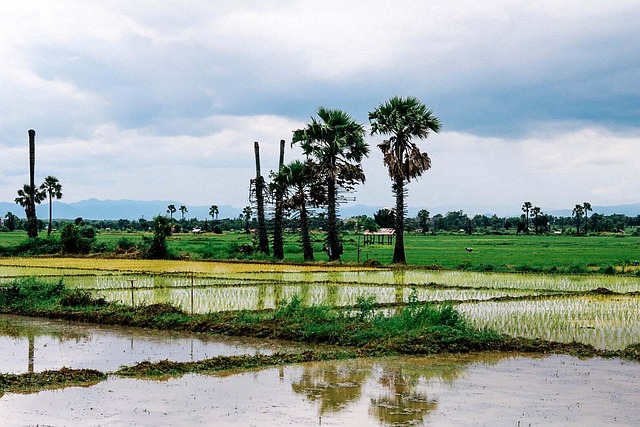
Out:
{"x": 483, "y": 389}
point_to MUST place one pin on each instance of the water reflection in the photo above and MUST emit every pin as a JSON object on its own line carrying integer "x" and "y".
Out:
{"x": 35, "y": 345}
{"x": 333, "y": 387}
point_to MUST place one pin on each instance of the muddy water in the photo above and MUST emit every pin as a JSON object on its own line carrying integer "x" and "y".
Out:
{"x": 35, "y": 345}
{"x": 491, "y": 390}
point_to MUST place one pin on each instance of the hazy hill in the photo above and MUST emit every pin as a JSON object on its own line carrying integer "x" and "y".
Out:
{"x": 136, "y": 209}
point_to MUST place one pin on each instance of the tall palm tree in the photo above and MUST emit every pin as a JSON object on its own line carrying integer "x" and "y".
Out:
{"x": 28, "y": 198}
{"x": 526, "y": 208}
{"x": 578, "y": 211}
{"x": 336, "y": 144}
{"x": 183, "y": 210}
{"x": 403, "y": 119}
{"x": 535, "y": 213}
{"x": 52, "y": 188}
{"x": 171, "y": 209}
{"x": 213, "y": 212}
{"x": 298, "y": 183}
{"x": 587, "y": 207}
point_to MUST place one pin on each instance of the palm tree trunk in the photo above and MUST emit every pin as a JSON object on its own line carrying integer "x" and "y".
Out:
{"x": 307, "y": 248}
{"x": 398, "y": 251}
{"x": 32, "y": 221}
{"x": 278, "y": 245}
{"x": 333, "y": 239}
{"x": 50, "y": 214}
{"x": 263, "y": 239}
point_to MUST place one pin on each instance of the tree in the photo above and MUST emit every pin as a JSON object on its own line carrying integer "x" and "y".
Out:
{"x": 526, "y": 208}
{"x": 28, "y": 198}
{"x": 385, "y": 218}
{"x": 423, "y": 219}
{"x": 52, "y": 188}
{"x": 578, "y": 211}
{"x": 247, "y": 212}
{"x": 298, "y": 182}
{"x": 278, "y": 216}
{"x": 213, "y": 212}
{"x": 535, "y": 213}
{"x": 587, "y": 207}
{"x": 337, "y": 146}
{"x": 32, "y": 200}
{"x": 257, "y": 193}
{"x": 183, "y": 210}
{"x": 10, "y": 221}
{"x": 171, "y": 209}
{"x": 403, "y": 119}
{"x": 158, "y": 246}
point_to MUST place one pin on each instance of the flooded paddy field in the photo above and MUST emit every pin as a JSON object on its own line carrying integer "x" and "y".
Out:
{"x": 35, "y": 345}
{"x": 483, "y": 389}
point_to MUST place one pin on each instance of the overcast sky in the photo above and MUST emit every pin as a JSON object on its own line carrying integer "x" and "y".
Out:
{"x": 162, "y": 100}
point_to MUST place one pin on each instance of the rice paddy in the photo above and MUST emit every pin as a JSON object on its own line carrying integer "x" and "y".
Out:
{"x": 561, "y": 308}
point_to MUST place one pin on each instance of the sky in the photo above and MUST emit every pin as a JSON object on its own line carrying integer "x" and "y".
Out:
{"x": 162, "y": 100}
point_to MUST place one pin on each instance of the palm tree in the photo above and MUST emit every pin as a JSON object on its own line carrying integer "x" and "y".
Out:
{"x": 28, "y": 198}
{"x": 578, "y": 211}
{"x": 297, "y": 183}
{"x": 213, "y": 212}
{"x": 526, "y": 208}
{"x": 183, "y": 210}
{"x": 171, "y": 209}
{"x": 337, "y": 146}
{"x": 246, "y": 213}
{"x": 403, "y": 119}
{"x": 52, "y": 188}
{"x": 587, "y": 207}
{"x": 535, "y": 213}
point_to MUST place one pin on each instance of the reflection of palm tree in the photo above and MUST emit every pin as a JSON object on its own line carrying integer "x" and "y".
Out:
{"x": 31, "y": 356}
{"x": 403, "y": 405}
{"x": 333, "y": 385}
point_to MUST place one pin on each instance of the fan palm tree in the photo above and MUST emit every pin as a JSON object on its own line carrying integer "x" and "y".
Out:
{"x": 298, "y": 185}
{"x": 52, "y": 188}
{"x": 246, "y": 214}
{"x": 28, "y": 198}
{"x": 336, "y": 144}
{"x": 183, "y": 210}
{"x": 171, "y": 209}
{"x": 213, "y": 212}
{"x": 526, "y": 208}
{"x": 587, "y": 207}
{"x": 403, "y": 119}
{"x": 578, "y": 211}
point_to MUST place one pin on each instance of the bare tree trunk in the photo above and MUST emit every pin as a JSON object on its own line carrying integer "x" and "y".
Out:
{"x": 263, "y": 239}
{"x": 278, "y": 244}
{"x": 307, "y": 247}
{"x": 32, "y": 221}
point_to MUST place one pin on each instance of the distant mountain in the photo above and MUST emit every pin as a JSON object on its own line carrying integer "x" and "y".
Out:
{"x": 118, "y": 209}
{"x": 136, "y": 209}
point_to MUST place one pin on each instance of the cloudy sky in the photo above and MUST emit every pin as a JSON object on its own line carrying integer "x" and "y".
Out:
{"x": 162, "y": 100}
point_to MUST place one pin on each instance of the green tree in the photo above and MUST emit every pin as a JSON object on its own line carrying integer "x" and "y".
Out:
{"x": 246, "y": 214}
{"x": 28, "y": 198}
{"x": 10, "y": 221}
{"x": 587, "y": 207}
{"x": 336, "y": 144}
{"x": 171, "y": 209}
{"x": 298, "y": 181}
{"x": 526, "y": 208}
{"x": 423, "y": 219}
{"x": 183, "y": 210}
{"x": 535, "y": 213}
{"x": 52, "y": 188}
{"x": 213, "y": 212}
{"x": 403, "y": 119}
{"x": 578, "y": 211}
{"x": 385, "y": 218}
{"x": 158, "y": 246}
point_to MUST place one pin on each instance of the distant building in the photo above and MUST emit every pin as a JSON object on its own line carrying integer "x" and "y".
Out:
{"x": 383, "y": 236}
